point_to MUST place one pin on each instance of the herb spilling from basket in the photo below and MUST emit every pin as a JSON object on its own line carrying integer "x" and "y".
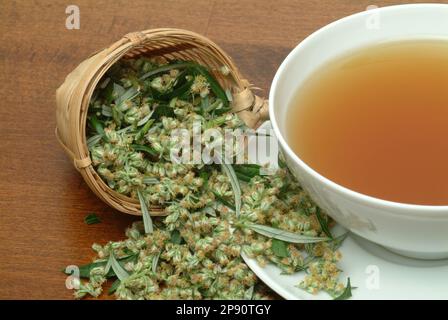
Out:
{"x": 216, "y": 212}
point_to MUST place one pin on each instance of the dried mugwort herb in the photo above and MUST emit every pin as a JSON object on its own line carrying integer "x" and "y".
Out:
{"x": 214, "y": 212}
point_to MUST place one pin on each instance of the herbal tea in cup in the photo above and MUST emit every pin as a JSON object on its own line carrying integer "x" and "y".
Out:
{"x": 375, "y": 120}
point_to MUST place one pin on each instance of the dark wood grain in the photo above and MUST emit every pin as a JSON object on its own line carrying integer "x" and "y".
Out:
{"x": 43, "y": 199}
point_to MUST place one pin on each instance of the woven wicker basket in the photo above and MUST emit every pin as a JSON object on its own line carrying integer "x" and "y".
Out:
{"x": 73, "y": 96}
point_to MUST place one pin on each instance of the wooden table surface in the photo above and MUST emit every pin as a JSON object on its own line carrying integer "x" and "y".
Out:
{"x": 43, "y": 199}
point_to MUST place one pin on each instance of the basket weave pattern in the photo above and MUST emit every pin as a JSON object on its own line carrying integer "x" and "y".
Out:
{"x": 73, "y": 96}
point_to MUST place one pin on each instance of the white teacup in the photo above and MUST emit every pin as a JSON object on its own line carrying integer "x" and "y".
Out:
{"x": 412, "y": 230}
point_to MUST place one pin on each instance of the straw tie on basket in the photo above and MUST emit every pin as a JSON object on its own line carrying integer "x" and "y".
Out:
{"x": 252, "y": 109}
{"x": 78, "y": 163}
{"x": 135, "y": 37}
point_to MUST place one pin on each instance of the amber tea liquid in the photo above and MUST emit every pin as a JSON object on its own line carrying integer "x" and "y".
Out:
{"x": 376, "y": 121}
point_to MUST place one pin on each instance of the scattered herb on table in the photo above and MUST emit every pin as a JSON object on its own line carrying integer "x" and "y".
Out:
{"x": 91, "y": 218}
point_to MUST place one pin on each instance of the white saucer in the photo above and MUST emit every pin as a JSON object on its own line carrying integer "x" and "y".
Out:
{"x": 375, "y": 271}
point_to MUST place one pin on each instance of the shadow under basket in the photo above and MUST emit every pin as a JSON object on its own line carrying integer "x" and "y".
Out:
{"x": 73, "y": 96}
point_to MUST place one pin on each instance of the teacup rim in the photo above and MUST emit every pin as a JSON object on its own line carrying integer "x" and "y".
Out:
{"x": 404, "y": 208}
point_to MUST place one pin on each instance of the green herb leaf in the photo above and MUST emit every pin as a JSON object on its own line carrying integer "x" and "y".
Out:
{"x": 150, "y": 180}
{"x": 97, "y": 125}
{"x": 117, "y": 268}
{"x": 205, "y": 103}
{"x": 242, "y": 177}
{"x": 108, "y": 267}
{"x": 117, "y": 91}
{"x": 106, "y": 111}
{"x": 176, "y": 238}
{"x": 214, "y": 85}
{"x": 84, "y": 271}
{"x": 107, "y": 93}
{"x": 117, "y": 115}
{"x": 178, "y": 91}
{"x": 229, "y": 95}
{"x": 250, "y": 165}
{"x": 280, "y": 248}
{"x": 210, "y": 211}
{"x": 93, "y": 140}
{"x": 121, "y": 99}
{"x": 155, "y": 261}
{"x": 281, "y": 162}
{"x": 337, "y": 241}
{"x": 347, "y": 292}
{"x": 223, "y": 201}
{"x": 221, "y": 111}
{"x": 249, "y": 170}
{"x": 91, "y": 219}
{"x": 216, "y": 105}
{"x": 284, "y": 235}
{"x": 145, "y": 119}
{"x": 249, "y": 293}
{"x": 144, "y": 130}
{"x": 165, "y": 68}
{"x": 204, "y": 175}
{"x": 163, "y": 110}
{"x": 114, "y": 287}
{"x": 146, "y": 149}
{"x": 228, "y": 169}
{"x": 323, "y": 221}
{"x": 147, "y": 221}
